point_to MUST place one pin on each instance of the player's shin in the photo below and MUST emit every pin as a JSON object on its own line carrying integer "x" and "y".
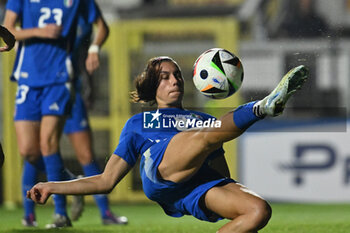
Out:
{"x": 233, "y": 124}
{"x": 29, "y": 179}
{"x": 55, "y": 172}
{"x": 244, "y": 116}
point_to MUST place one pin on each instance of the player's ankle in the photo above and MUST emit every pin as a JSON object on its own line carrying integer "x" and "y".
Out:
{"x": 258, "y": 109}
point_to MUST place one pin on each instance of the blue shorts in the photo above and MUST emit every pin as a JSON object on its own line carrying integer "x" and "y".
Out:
{"x": 78, "y": 121}
{"x": 34, "y": 102}
{"x": 178, "y": 199}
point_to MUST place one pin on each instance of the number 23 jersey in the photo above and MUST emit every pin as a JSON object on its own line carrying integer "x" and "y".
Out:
{"x": 40, "y": 61}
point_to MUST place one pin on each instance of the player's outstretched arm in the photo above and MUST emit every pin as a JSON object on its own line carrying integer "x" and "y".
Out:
{"x": 8, "y": 38}
{"x": 115, "y": 170}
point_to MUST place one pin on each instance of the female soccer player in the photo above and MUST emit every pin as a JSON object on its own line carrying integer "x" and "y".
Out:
{"x": 43, "y": 71}
{"x": 177, "y": 167}
{"x": 77, "y": 126}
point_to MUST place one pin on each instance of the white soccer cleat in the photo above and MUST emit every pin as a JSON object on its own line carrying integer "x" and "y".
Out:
{"x": 273, "y": 104}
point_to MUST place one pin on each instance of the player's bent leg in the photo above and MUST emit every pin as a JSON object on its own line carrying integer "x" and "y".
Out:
{"x": 248, "y": 212}
{"x": 184, "y": 155}
{"x": 192, "y": 147}
{"x": 51, "y": 128}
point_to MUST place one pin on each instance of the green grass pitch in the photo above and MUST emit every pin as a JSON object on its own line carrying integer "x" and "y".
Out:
{"x": 147, "y": 218}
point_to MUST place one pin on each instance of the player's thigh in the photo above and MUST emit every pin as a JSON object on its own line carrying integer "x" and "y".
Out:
{"x": 233, "y": 200}
{"x": 28, "y": 137}
{"x": 184, "y": 155}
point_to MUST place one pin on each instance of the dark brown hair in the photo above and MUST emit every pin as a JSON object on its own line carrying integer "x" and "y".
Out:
{"x": 147, "y": 82}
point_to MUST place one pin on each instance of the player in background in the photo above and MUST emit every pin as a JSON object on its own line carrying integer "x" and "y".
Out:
{"x": 77, "y": 126}
{"x": 185, "y": 179}
{"x": 43, "y": 72}
{"x": 9, "y": 40}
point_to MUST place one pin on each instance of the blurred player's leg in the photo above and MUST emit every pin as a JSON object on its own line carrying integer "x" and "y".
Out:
{"x": 27, "y": 133}
{"x": 78, "y": 130}
{"x": 29, "y": 179}
{"x": 102, "y": 202}
{"x": 78, "y": 202}
{"x": 49, "y": 135}
{"x": 82, "y": 142}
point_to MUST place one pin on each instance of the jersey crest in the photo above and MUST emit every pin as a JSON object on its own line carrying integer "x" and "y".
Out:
{"x": 68, "y": 3}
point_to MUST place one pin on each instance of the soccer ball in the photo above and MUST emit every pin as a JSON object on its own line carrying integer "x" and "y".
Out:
{"x": 217, "y": 73}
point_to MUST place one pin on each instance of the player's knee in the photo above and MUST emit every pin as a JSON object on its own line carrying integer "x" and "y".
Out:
{"x": 261, "y": 214}
{"x": 29, "y": 151}
{"x": 31, "y": 155}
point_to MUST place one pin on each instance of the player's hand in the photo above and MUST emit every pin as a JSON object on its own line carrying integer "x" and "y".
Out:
{"x": 92, "y": 62}
{"x": 50, "y": 31}
{"x": 39, "y": 193}
{"x": 8, "y": 38}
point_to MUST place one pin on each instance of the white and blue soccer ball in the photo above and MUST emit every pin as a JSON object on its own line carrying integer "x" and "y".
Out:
{"x": 217, "y": 73}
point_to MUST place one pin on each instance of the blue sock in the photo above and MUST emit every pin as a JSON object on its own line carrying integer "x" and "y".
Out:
{"x": 92, "y": 169}
{"x": 244, "y": 116}
{"x": 39, "y": 164}
{"x": 29, "y": 179}
{"x": 55, "y": 172}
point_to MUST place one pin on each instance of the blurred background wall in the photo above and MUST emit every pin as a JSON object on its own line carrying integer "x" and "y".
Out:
{"x": 294, "y": 157}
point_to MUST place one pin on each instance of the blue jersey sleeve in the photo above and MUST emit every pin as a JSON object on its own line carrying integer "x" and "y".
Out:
{"x": 130, "y": 143}
{"x": 89, "y": 11}
{"x": 126, "y": 148}
{"x": 15, "y": 6}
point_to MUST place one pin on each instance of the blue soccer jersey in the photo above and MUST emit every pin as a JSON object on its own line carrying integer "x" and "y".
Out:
{"x": 40, "y": 62}
{"x": 146, "y": 128}
{"x": 148, "y": 134}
